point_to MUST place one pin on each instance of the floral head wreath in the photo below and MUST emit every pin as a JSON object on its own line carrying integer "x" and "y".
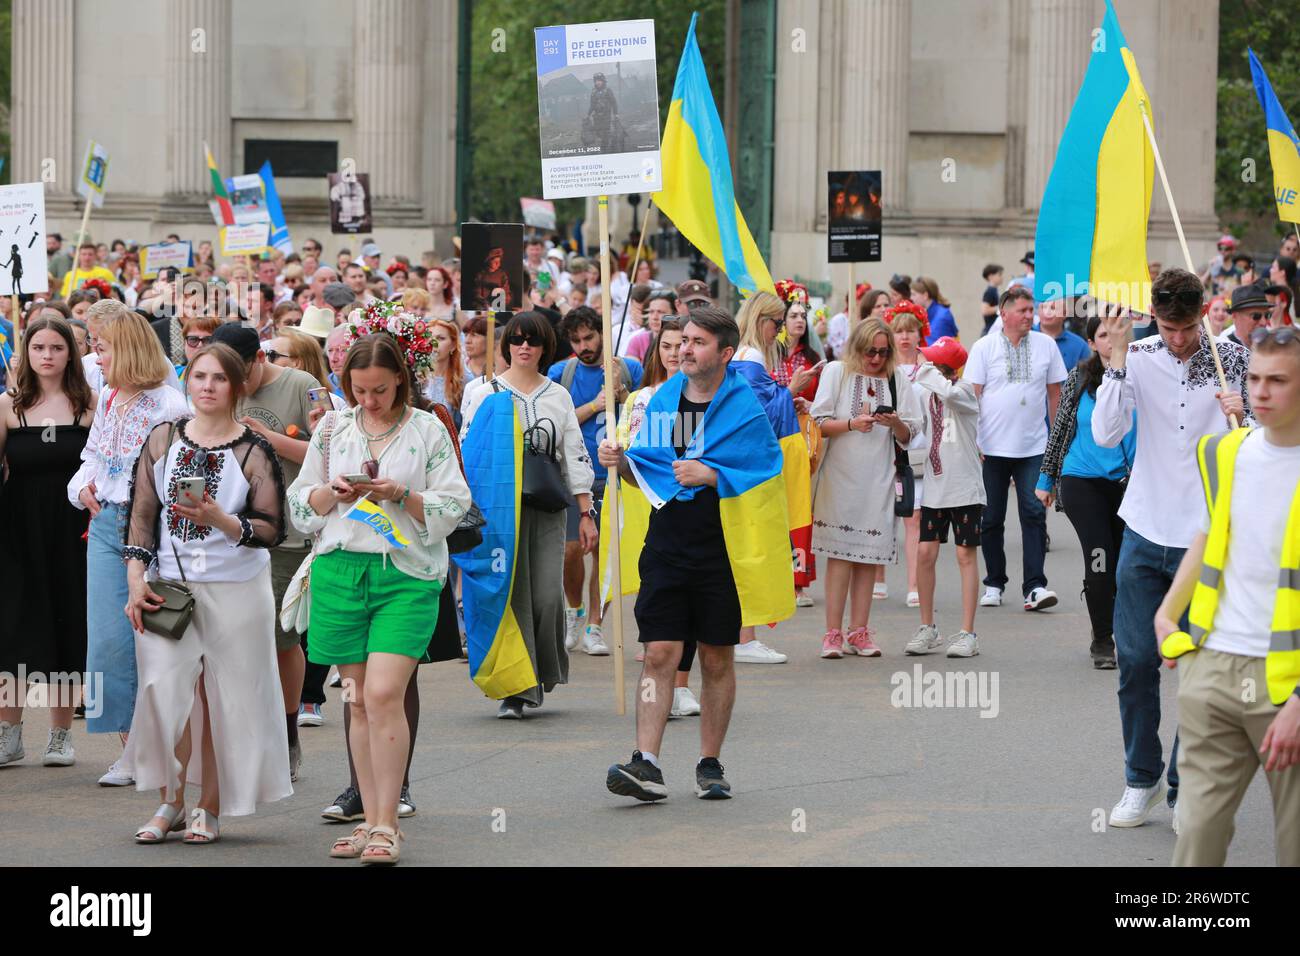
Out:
{"x": 790, "y": 292}
{"x": 414, "y": 336}
{"x": 908, "y": 307}
{"x": 395, "y": 267}
{"x": 100, "y": 286}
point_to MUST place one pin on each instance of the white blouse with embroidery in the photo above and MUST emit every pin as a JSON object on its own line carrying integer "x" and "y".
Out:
{"x": 116, "y": 437}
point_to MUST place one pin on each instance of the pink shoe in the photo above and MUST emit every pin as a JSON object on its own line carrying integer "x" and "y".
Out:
{"x": 833, "y": 644}
{"x": 859, "y": 642}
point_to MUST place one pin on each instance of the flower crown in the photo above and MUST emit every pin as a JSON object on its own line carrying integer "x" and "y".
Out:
{"x": 908, "y": 307}
{"x": 790, "y": 292}
{"x": 413, "y": 335}
{"x": 100, "y": 286}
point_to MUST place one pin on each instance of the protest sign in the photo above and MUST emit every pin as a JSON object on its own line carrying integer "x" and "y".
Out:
{"x": 94, "y": 170}
{"x": 246, "y": 240}
{"x": 248, "y": 199}
{"x": 598, "y": 109}
{"x": 349, "y": 202}
{"x": 23, "y": 266}
{"x": 492, "y": 266}
{"x": 853, "y": 218}
{"x": 538, "y": 213}
{"x": 164, "y": 255}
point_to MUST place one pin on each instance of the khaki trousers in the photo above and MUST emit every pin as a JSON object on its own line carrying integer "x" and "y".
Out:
{"x": 1219, "y": 754}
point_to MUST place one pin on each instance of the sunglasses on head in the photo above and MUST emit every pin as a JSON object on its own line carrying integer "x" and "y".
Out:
{"x": 197, "y": 341}
{"x": 525, "y": 338}
{"x": 1187, "y": 298}
{"x": 1282, "y": 336}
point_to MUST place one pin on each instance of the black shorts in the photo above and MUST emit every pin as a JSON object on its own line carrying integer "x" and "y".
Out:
{"x": 679, "y": 604}
{"x": 573, "y": 516}
{"x": 965, "y": 522}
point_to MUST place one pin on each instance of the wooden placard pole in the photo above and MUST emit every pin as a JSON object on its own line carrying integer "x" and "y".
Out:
{"x": 82, "y": 236}
{"x": 490, "y": 361}
{"x": 1182, "y": 241}
{"x": 612, "y": 514}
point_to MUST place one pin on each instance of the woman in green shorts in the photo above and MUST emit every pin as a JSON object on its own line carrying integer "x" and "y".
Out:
{"x": 374, "y": 591}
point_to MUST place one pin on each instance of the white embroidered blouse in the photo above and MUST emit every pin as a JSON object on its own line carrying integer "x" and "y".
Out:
{"x": 116, "y": 437}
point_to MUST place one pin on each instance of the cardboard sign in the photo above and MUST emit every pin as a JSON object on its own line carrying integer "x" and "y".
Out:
{"x": 598, "y": 109}
{"x": 248, "y": 199}
{"x": 246, "y": 240}
{"x": 165, "y": 255}
{"x": 853, "y": 218}
{"x": 23, "y": 265}
{"x": 94, "y": 170}
{"x": 349, "y": 203}
{"x": 538, "y": 213}
{"x": 492, "y": 266}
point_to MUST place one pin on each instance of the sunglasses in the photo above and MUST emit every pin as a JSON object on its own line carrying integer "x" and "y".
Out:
{"x": 525, "y": 339}
{"x": 197, "y": 341}
{"x": 1257, "y": 316}
{"x": 1187, "y": 298}
{"x": 273, "y": 356}
{"x": 878, "y": 353}
{"x": 1283, "y": 336}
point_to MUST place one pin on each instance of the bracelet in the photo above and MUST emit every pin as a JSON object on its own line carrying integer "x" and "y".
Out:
{"x": 401, "y": 502}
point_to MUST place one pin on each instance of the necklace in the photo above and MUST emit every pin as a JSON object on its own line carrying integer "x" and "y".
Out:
{"x": 382, "y": 435}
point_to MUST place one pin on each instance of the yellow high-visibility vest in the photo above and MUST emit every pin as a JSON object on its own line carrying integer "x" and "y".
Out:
{"x": 1217, "y": 458}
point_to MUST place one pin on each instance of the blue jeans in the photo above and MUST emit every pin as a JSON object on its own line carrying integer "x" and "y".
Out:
{"x": 1145, "y": 572}
{"x": 110, "y": 639}
{"x": 998, "y": 474}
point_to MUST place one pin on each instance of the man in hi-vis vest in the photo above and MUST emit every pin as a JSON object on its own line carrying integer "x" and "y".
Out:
{"x": 1239, "y": 661}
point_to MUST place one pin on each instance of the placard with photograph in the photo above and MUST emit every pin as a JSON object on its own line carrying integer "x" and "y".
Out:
{"x": 94, "y": 170}
{"x": 853, "y": 219}
{"x": 492, "y": 266}
{"x": 23, "y": 266}
{"x": 164, "y": 255}
{"x": 349, "y": 203}
{"x": 598, "y": 109}
{"x": 248, "y": 199}
{"x": 538, "y": 213}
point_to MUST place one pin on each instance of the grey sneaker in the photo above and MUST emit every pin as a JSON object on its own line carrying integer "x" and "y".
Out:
{"x": 405, "y": 806}
{"x": 965, "y": 644}
{"x": 926, "y": 639}
{"x": 58, "y": 751}
{"x": 295, "y": 762}
{"x": 11, "y": 742}
{"x": 710, "y": 784}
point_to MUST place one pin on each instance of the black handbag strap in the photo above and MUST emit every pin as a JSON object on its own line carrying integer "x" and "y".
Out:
{"x": 540, "y": 427}
{"x": 171, "y": 434}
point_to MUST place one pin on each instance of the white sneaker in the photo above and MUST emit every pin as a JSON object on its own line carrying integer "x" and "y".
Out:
{"x": 803, "y": 599}
{"x": 913, "y": 599}
{"x": 573, "y": 620}
{"x": 1040, "y": 599}
{"x": 11, "y": 742}
{"x": 593, "y": 643}
{"x": 335, "y": 678}
{"x": 756, "y": 652}
{"x": 117, "y": 776}
{"x": 965, "y": 644}
{"x": 926, "y": 639}
{"x": 1174, "y": 822}
{"x": 684, "y": 703}
{"x": 880, "y": 591}
{"x": 58, "y": 751}
{"x": 992, "y": 597}
{"x": 1136, "y": 805}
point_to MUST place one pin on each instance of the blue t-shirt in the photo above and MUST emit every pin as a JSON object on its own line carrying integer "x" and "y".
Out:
{"x": 587, "y": 383}
{"x": 1086, "y": 459}
{"x": 941, "y": 322}
{"x": 1074, "y": 349}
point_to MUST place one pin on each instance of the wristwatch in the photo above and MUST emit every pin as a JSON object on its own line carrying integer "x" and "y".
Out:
{"x": 591, "y": 513}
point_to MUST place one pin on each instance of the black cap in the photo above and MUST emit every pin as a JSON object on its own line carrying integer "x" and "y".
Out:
{"x": 1247, "y": 297}
{"x": 240, "y": 338}
{"x": 1029, "y": 258}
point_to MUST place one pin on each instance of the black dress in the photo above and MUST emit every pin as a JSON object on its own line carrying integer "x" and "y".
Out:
{"x": 43, "y": 572}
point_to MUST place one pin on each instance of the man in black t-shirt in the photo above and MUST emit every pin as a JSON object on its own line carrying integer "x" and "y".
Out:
{"x": 687, "y": 589}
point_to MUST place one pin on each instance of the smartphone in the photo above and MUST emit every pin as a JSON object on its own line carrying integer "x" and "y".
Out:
{"x": 819, "y": 366}
{"x": 360, "y": 478}
{"x": 320, "y": 398}
{"x": 189, "y": 491}
{"x": 884, "y": 410}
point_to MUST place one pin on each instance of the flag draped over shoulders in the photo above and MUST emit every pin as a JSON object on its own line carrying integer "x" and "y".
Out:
{"x": 493, "y": 455}
{"x": 796, "y": 469}
{"x": 736, "y": 440}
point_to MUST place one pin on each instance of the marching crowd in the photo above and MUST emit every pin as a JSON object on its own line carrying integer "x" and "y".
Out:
{"x": 224, "y": 490}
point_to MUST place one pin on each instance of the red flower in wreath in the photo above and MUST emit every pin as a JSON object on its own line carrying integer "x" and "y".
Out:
{"x": 99, "y": 285}
{"x": 908, "y": 307}
{"x": 790, "y": 291}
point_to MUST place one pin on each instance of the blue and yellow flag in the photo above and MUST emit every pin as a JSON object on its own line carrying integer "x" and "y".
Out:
{"x": 735, "y": 440}
{"x": 796, "y": 470}
{"x": 1092, "y": 222}
{"x": 1283, "y": 145}
{"x": 493, "y": 451}
{"x": 369, "y": 513}
{"x": 698, "y": 194}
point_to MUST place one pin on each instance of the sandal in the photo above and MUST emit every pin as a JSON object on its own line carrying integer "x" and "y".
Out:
{"x": 350, "y": 847}
{"x": 203, "y": 828}
{"x": 175, "y": 817}
{"x": 384, "y": 846}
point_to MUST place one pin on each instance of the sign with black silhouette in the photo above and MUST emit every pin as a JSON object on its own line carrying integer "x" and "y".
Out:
{"x": 491, "y": 266}
{"x": 853, "y": 217}
{"x": 23, "y": 266}
{"x": 598, "y": 109}
{"x": 349, "y": 202}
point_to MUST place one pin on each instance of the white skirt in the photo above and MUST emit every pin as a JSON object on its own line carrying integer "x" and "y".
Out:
{"x": 231, "y": 642}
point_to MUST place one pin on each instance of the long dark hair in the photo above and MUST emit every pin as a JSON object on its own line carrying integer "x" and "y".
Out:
{"x": 803, "y": 340}
{"x": 27, "y": 386}
{"x": 654, "y": 366}
{"x": 1092, "y": 368}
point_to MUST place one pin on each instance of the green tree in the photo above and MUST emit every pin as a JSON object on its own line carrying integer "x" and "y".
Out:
{"x": 505, "y": 157}
{"x": 1245, "y": 204}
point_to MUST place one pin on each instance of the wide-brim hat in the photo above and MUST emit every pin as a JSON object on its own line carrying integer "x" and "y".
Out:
{"x": 317, "y": 321}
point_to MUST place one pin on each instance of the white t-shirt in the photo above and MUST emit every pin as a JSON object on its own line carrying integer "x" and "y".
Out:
{"x": 1244, "y": 618}
{"x": 1013, "y": 406}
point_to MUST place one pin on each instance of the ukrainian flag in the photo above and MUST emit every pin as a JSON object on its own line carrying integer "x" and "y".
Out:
{"x": 1092, "y": 222}
{"x": 796, "y": 470}
{"x": 493, "y": 452}
{"x": 1283, "y": 145}
{"x": 634, "y": 512}
{"x": 736, "y": 440}
{"x": 698, "y": 195}
{"x": 369, "y": 513}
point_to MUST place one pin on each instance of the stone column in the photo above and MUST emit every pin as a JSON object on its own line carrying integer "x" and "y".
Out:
{"x": 198, "y": 94}
{"x": 875, "y": 40}
{"x": 439, "y": 110}
{"x": 1184, "y": 79}
{"x": 1017, "y": 104}
{"x": 390, "y": 51}
{"x": 1060, "y": 42}
{"x": 41, "y": 122}
{"x": 801, "y": 194}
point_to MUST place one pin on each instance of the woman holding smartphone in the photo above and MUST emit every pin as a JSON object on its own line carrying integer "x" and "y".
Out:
{"x": 205, "y": 509}
{"x": 134, "y": 400}
{"x": 374, "y": 598}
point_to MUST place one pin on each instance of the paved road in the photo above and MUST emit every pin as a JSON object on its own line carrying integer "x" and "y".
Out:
{"x": 812, "y": 742}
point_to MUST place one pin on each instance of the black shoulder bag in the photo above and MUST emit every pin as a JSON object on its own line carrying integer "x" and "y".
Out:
{"x": 544, "y": 487}
{"x": 172, "y": 617}
{"x": 904, "y": 480}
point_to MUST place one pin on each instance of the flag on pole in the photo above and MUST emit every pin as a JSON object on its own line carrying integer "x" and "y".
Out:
{"x": 369, "y": 513}
{"x": 222, "y": 198}
{"x": 1283, "y": 145}
{"x": 1092, "y": 222}
{"x": 698, "y": 194}
{"x": 279, "y": 228}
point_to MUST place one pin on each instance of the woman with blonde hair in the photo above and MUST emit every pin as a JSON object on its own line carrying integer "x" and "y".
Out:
{"x": 761, "y": 318}
{"x": 867, "y": 409}
{"x": 136, "y": 397}
{"x": 416, "y": 301}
